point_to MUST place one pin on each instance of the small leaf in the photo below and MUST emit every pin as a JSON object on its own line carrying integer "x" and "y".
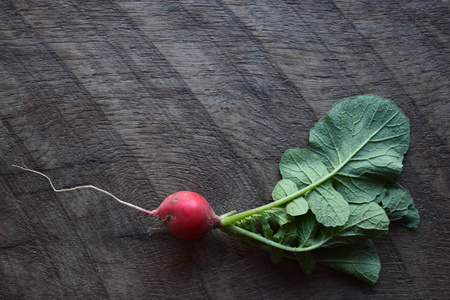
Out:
{"x": 328, "y": 205}
{"x": 279, "y": 216}
{"x": 285, "y": 235}
{"x": 399, "y": 205}
{"x": 276, "y": 216}
{"x": 266, "y": 229}
{"x": 412, "y": 219}
{"x": 297, "y": 207}
{"x": 359, "y": 260}
{"x": 306, "y": 228}
{"x": 284, "y": 188}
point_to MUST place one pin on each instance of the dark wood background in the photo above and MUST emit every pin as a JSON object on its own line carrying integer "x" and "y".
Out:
{"x": 146, "y": 98}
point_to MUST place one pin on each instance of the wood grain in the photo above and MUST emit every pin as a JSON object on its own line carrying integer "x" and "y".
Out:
{"x": 145, "y": 98}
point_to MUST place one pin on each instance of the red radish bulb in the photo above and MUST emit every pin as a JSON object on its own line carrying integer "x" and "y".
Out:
{"x": 187, "y": 215}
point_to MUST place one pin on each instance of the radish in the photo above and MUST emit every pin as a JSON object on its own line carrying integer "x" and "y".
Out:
{"x": 186, "y": 214}
{"x": 331, "y": 200}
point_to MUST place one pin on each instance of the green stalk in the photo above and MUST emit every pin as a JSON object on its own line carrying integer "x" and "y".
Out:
{"x": 228, "y": 218}
{"x": 262, "y": 239}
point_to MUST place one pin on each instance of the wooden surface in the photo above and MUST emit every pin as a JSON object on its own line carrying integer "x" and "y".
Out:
{"x": 146, "y": 98}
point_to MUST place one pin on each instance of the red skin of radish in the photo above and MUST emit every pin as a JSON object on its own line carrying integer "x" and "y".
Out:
{"x": 187, "y": 215}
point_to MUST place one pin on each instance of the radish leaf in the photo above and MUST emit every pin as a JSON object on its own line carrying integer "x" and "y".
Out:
{"x": 328, "y": 205}
{"x": 297, "y": 207}
{"x": 399, "y": 205}
{"x": 337, "y": 195}
{"x": 358, "y": 190}
{"x": 360, "y": 260}
{"x": 286, "y": 187}
{"x": 364, "y": 136}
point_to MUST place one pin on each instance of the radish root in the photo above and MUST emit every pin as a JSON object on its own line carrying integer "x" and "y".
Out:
{"x": 25, "y": 168}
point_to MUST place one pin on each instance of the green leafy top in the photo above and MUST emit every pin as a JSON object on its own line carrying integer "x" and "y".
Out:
{"x": 338, "y": 194}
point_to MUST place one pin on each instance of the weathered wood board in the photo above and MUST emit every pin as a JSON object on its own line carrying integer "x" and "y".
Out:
{"x": 145, "y": 98}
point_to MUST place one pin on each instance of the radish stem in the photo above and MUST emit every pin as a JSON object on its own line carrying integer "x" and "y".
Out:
{"x": 264, "y": 240}
{"x": 230, "y": 219}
